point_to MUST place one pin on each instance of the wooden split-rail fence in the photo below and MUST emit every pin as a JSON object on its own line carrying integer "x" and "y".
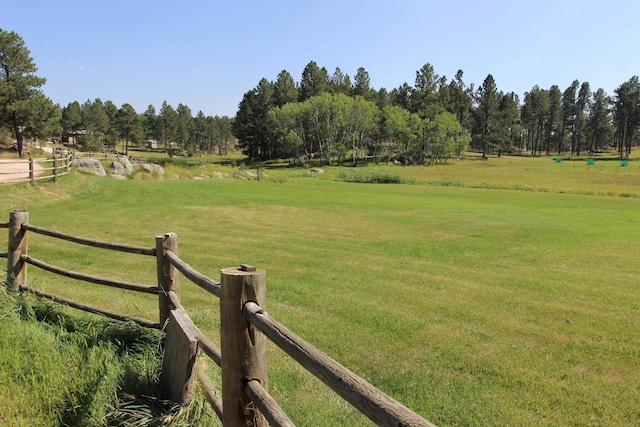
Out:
{"x": 32, "y": 170}
{"x": 245, "y": 327}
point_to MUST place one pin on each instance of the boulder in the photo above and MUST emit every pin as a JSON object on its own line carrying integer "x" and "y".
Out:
{"x": 88, "y": 165}
{"x": 117, "y": 170}
{"x": 126, "y": 163}
{"x": 247, "y": 174}
{"x": 149, "y": 168}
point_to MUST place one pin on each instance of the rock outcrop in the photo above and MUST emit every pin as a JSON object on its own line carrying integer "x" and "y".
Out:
{"x": 88, "y": 165}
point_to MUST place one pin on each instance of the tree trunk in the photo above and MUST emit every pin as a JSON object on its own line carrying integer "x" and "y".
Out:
{"x": 19, "y": 137}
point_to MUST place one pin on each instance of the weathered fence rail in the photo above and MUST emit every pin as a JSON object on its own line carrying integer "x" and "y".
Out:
{"x": 245, "y": 327}
{"x": 36, "y": 169}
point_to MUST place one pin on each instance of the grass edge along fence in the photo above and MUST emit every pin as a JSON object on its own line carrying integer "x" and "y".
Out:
{"x": 59, "y": 166}
{"x": 244, "y": 329}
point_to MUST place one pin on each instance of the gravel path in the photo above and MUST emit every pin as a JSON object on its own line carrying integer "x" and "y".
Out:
{"x": 18, "y": 169}
{"x": 14, "y": 169}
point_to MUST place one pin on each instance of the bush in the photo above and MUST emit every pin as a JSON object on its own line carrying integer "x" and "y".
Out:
{"x": 372, "y": 178}
{"x": 91, "y": 143}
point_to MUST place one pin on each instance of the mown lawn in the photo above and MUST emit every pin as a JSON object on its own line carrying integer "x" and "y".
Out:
{"x": 504, "y": 293}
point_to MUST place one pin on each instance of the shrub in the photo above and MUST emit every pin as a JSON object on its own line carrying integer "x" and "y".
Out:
{"x": 372, "y": 178}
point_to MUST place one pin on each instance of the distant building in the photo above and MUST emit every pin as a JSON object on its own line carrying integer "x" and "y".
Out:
{"x": 152, "y": 143}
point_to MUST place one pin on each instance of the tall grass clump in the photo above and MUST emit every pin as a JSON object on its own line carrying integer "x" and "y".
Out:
{"x": 60, "y": 368}
{"x": 372, "y": 177}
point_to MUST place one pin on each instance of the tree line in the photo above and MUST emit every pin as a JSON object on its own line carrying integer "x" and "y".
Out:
{"x": 101, "y": 125}
{"x": 332, "y": 118}
{"x": 335, "y": 119}
{"x": 27, "y": 113}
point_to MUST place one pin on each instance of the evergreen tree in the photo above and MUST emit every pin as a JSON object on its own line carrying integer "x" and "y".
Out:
{"x": 599, "y": 122}
{"x": 424, "y": 96}
{"x": 168, "y": 124}
{"x": 129, "y": 126}
{"x": 23, "y": 107}
{"x": 401, "y": 96}
{"x": 315, "y": 80}
{"x": 487, "y": 99}
{"x": 150, "y": 124}
{"x": 183, "y": 128}
{"x": 460, "y": 100}
{"x": 553, "y": 123}
{"x": 112, "y": 132}
{"x": 509, "y": 129}
{"x": 583, "y": 103}
{"x": 340, "y": 82}
{"x": 71, "y": 119}
{"x": 284, "y": 89}
{"x": 251, "y": 123}
{"x": 362, "y": 84}
{"x": 95, "y": 122}
{"x": 568, "y": 114}
{"x": 627, "y": 114}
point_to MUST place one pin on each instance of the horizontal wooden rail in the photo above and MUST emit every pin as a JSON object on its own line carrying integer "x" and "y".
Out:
{"x": 89, "y": 278}
{"x": 96, "y": 310}
{"x": 4, "y": 225}
{"x": 15, "y": 172}
{"x": 209, "y": 348}
{"x": 269, "y": 407}
{"x": 4, "y": 255}
{"x": 91, "y": 242}
{"x": 210, "y": 393}
{"x": 196, "y": 277}
{"x": 377, "y": 406}
{"x": 15, "y": 162}
{"x": 98, "y": 155}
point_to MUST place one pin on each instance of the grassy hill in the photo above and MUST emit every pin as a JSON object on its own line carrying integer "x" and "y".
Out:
{"x": 502, "y": 292}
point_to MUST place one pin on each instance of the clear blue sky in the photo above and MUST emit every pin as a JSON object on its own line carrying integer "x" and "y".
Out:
{"x": 207, "y": 54}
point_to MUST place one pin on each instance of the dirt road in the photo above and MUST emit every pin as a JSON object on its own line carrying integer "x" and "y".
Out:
{"x": 15, "y": 169}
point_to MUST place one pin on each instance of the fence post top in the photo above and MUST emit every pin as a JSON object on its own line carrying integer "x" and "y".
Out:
{"x": 165, "y": 235}
{"x": 242, "y": 270}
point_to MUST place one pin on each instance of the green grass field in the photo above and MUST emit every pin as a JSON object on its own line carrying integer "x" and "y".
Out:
{"x": 499, "y": 292}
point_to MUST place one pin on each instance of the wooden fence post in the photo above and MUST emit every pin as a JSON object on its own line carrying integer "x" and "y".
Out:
{"x": 178, "y": 375}
{"x": 168, "y": 275}
{"x": 55, "y": 167}
{"x": 16, "y": 268}
{"x": 32, "y": 172}
{"x": 244, "y": 348}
